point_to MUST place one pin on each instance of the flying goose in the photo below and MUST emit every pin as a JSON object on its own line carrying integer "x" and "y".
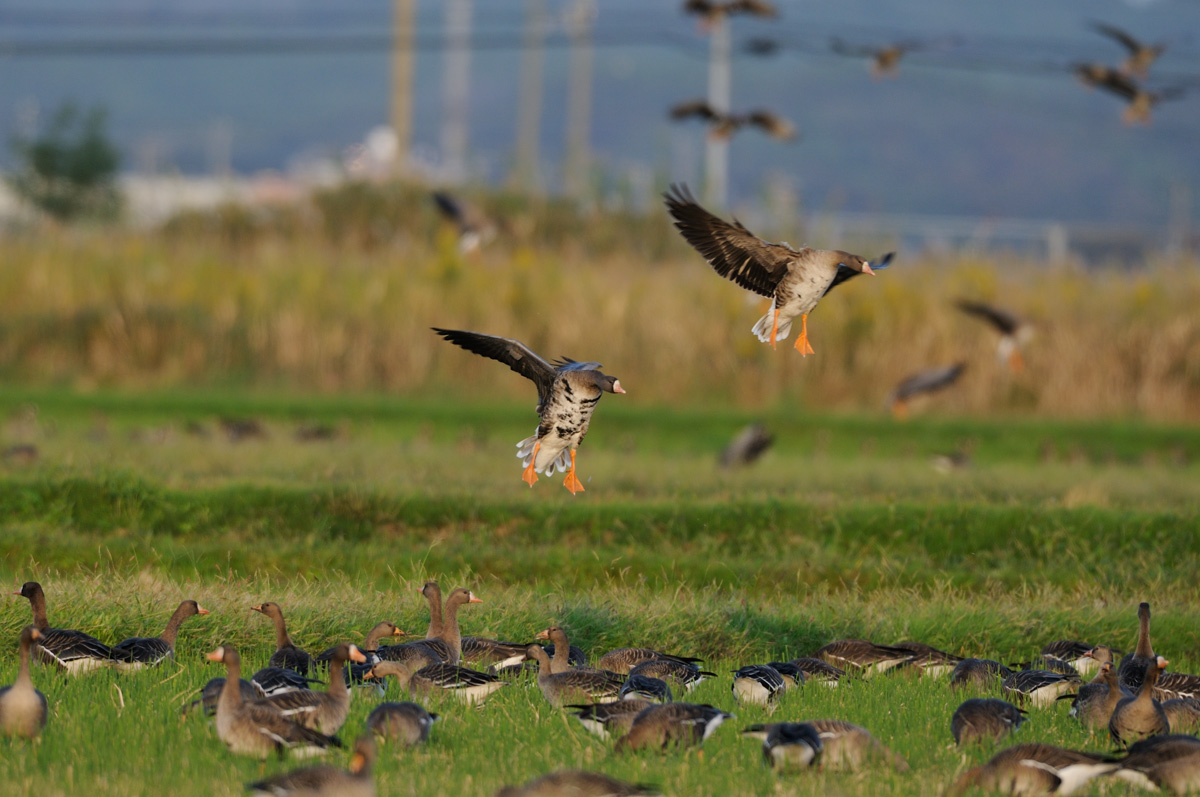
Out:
{"x": 710, "y": 11}
{"x": 1135, "y": 665}
{"x": 1141, "y": 716}
{"x": 1139, "y": 100}
{"x": 286, "y": 654}
{"x": 475, "y": 229}
{"x": 23, "y": 709}
{"x": 623, "y": 660}
{"x": 210, "y": 693}
{"x": 135, "y": 653}
{"x": 576, "y": 685}
{"x": 73, "y": 652}
{"x": 722, "y": 125}
{"x": 576, "y": 783}
{"x": 567, "y": 395}
{"x": 787, "y": 745}
{"x": 407, "y": 723}
{"x": 609, "y": 719}
{"x": 1141, "y": 55}
{"x": 1035, "y": 768}
{"x": 1014, "y": 332}
{"x": 749, "y": 444}
{"x": 323, "y": 711}
{"x": 978, "y": 673}
{"x": 682, "y": 724}
{"x": 866, "y": 657}
{"x": 255, "y": 729}
{"x": 1095, "y": 701}
{"x": 984, "y": 719}
{"x": 885, "y": 60}
{"x": 794, "y": 280}
{"x": 441, "y": 680}
{"x": 757, "y": 684}
{"x": 1039, "y": 687}
{"x": 322, "y": 779}
{"x": 641, "y": 687}
{"x": 930, "y": 380}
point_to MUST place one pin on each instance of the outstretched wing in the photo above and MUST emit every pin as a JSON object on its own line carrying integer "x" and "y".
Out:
{"x": 1128, "y": 42}
{"x": 929, "y": 381}
{"x": 1005, "y": 322}
{"x": 449, "y": 207}
{"x": 732, "y": 250}
{"x": 699, "y": 108}
{"x": 513, "y": 353}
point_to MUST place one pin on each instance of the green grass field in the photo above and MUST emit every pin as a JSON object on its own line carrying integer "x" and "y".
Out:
{"x": 1054, "y": 529}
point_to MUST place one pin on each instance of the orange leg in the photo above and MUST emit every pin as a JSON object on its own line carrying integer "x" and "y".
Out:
{"x": 572, "y": 483}
{"x": 774, "y": 327}
{"x": 899, "y": 409}
{"x": 802, "y": 341}
{"x": 529, "y": 475}
{"x": 1015, "y": 362}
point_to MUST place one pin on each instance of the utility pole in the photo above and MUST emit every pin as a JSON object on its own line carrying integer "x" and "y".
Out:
{"x": 456, "y": 88}
{"x": 403, "y": 71}
{"x": 529, "y": 105}
{"x": 720, "y": 90}
{"x": 579, "y": 98}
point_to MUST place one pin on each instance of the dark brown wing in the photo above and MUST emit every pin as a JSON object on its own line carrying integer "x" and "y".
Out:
{"x": 757, "y": 8}
{"x": 732, "y": 250}
{"x": 1005, "y": 322}
{"x": 771, "y": 124}
{"x": 1128, "y": 42}
{"x": 698, "y": 108}
{"x": 513, "y": 353}
{"x": 1111, "y": 81}
{"x": 929, "y": 381}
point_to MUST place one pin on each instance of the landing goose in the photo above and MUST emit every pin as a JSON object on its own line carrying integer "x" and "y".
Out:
{"x": 135, "y": 653}
{"x": 441, "y": 680}
{"x": 623, "y": 660}
{"x": 1135, "y": 665}
{"x": 577, "y": 784}
{"x": 984, "y": 719}
{"x": 474, "y": 227}
{"x": 866, "y": 657}
{"x": 641, "y": 687}
{"x": 1014, "y": 333}
{"x": 794, "y": 280}
{"x": 757, "y": 684}
{"x": 1035, "y": 768}
{"x": 788, "y": 745}
{"x": 1039, "y": 687}
{"x": 978, "y": 673}
{"x": 722, "y": 124}
{"x": 610, "y": 719}
{"x": 681, "y": 724}
{"x": 576, "y": 685}
{"x": 407, "y": 723}
{"x": 255, "y": 729}
{"x": 849, "y": 747}
{"x": 680, "y": 673}
{"x": 323, "y": 711}
{"x": 286, "y": 654}
{"x": 1138, "y": 717}
{"x": 74, "y": 652}
{"x": 1095, "y": 702}
{"x": 23, "y": 709}
{"x": 210, "y": 693}
{"x": 355, "y": 781}
{"x": 276, "y": 680}
{"x": 567, "y": 395}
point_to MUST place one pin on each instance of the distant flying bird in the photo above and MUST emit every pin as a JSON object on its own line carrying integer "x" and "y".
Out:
{"x": 1014, "y": 332}
{"x": 1141, "y": 55}
{"x": 474, "y": 228}
{"x": 710, "y": 11}
{"x": 750, "y": 444}
{"x": 761, "y": 46}
{"x": 885, "y": 61}
{"x": 794, "y": 280}
{"x": 724, "y": 125}
{"x": 1139, "y": 100}
{"x": 567, "y": 395}
{"x": 929, "y": 381}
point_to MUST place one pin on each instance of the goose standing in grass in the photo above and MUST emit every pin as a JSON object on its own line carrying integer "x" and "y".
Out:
{"x": 757, "y": 684}
{"x": 370, "y": 646}
{"x": 788, "y": 745}
{"x": 1138, "y": 717}
{"x": 929, "y": 660}
{"x": 820, "y": 671}
{"x": 610, "y": 719}
{"x": 979, "y": 673}
{"x": 568, "y": 392}
{"x": 682, "y": 724}
{"x": 135, "y": 653}
{"x": 407, "y": 723}
{"x": 980, "y": 719}
{"x": 356, "y": 781}
{"x": 277, "y": 680}
{"x": 561, "y": 660}
{"x": 450, "y": 636}
{"x": 286, "y": 654}
{"x": 1013, "y": 331}
{"x": 1095, "y": 702}
{"x": 866, "y": 657}
{"x": 794, "y": 280}
{"x": 1035, "y": 768}
{"x": 323, "y": 711}
{"x": 1039, "y": 687}
{"x": 1134, "y": 666}
{"x": 641, "y": 687}
{"x": 74, "y": 652}
{"x": 210, "y": 693}
{"x": 441, "y": 680}
{"x": 23, "y": 709}
{"x": 680, "y": 673}
{"x": 623, "y": 660}
{"x": 576, "y": 685}
{"x": 1077, "y": 654}
{"x": 1183, "y": 714}
{"x": 576, "y": 784}
{"x": 255, "y": 729}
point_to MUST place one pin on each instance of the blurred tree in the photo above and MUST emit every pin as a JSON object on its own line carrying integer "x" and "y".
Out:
{"x": 69, "y": 170}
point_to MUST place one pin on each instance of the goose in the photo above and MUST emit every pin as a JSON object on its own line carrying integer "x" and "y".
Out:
{"x": 576, "y": 783}
{"x": 1134, "y": 666}
{"x": 1014, "y": 333}
{"x": 1035, "y": 768}
{"x": 929, "y": 660}
{"x": 574, "y": 685}
{"x": 609, "y": 719}
{"x": 450, "y": 637}
{"x": 568, "y": 392}
{"x": 682, "y": 724}
{"x": 135, "y": 653}
{"x": 355, "y": 781}
{"x": 1076, "y": 654}
{"x": 255, "y": 729}
{"x": 1043, "y": 663}
{"x": 439, "y": 680}
{"x": 793, "y": 676}
{"x": 1137, "y": 717}
{"x": 575, "y": 657}
{"x": 930, "y": 380}
{"x": 623, "y": 660}
{"x": 849, "y": 747}
{"x": 277, "y": 680}
{"x": 794, "y": 280}
{"x": 482, "y": 652}
{"x": 563, "y": 656}
{"x": 788, "y": 745}
{"x": 710, "y": 11}
{"x": 866, "y": 657}
{"x": 433, "y": 594}
{"x": 978, "y": 673}
{"x": 23, "y": 709}
{"x": 210, "y": 693}
{"x": 370, "y": 646}
{"x": 750, "y": 443}
{"x": 820, "y": 671}
{"x": 407, "y": 723}
{"x": 641, "y": 687}
{"x": 1139, "y": 100}
{"x": 323, "y": 711}
{"x": 757, "y": 684}
{"x": 722, "y": 125}
{"x": 1040, "y": 687}
{"x": 1173, "y": 685}
{"x": 475, "y": 229}
{"x": 1141, "y": 55}
{"x": 74, "y": 652}
{"x": 1183, "y": 714}
{"x": 286, "y": 654}
{"x": 1158, "y": 755}
{"x": 885, "y": 60}
{"x": 1095, "y": 701}
{"x": 682, "y": 674}
{"x": 979, "y": 719}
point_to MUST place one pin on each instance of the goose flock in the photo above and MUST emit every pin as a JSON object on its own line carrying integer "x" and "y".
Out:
{"x": 629, "y": 698}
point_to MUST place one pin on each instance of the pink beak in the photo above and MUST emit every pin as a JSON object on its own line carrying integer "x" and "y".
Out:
{"x": 617, "y": 387}
{"x": 868, "y": 270}
{"x": 473, "y": 599}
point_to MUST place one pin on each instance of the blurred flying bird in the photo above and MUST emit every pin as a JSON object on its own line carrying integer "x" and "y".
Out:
{"x": 1139, "y": 100}
{"x": 928, "y": 381}
{"x": 761, "y": 46}
{"x": 750, "y": 444}
{"x": 474, "y": 228}
{"x": 1014, "y": 332}
{"x": 567, "y": 395}
{"x": 1141, "y": 55}
{"x": 710, "y": 11}
{"x": 724, "y": 125}
{"x": 885, "y": 61}
{"x": 794, "y": 280}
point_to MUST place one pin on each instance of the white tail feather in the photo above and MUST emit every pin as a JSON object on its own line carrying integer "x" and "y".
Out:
{"x": 763, "y": 328}
{"x": 561, "y": 463}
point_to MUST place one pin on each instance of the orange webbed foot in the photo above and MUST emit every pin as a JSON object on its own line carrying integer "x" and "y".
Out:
{"x": 802, "y": 341}
{"x": 529, "y": 475}
{"x": 572, "y": 482}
